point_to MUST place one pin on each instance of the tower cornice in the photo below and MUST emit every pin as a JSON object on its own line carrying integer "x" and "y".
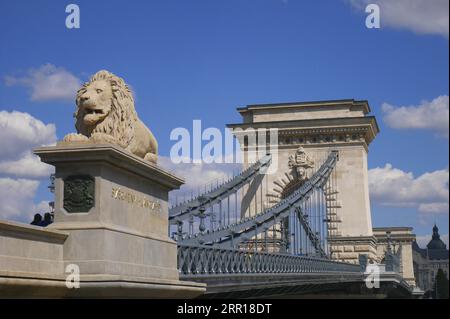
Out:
{"x": 316, "y": 131}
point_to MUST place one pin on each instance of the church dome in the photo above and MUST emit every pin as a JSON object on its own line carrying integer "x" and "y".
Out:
{"x": 436, "y": 242}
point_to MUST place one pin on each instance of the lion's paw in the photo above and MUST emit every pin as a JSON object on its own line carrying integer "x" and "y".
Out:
{"x": 153, "y": 158}
{"x": 75, "y": 137}
{"x": 102, "y": 138}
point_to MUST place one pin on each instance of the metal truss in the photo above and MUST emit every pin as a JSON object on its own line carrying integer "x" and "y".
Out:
{"x": 315, "y": 240}
{"x": 191, "y": 207}
{"x": 233, "y": 234}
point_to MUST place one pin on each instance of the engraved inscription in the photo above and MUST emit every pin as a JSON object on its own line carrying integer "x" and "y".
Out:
{"x": 133, "y": 199}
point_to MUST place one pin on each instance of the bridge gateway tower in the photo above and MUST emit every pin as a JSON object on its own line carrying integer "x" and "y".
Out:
{"x": 320, "y": 127}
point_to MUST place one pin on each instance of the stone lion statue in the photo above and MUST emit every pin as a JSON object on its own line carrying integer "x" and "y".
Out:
{"x": 106, "y": 114}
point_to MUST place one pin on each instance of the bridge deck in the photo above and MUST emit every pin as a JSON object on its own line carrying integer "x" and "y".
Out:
{"x": 298, "y": 285}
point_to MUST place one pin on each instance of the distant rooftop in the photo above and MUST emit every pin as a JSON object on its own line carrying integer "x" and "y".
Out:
{"x": 436, "y": 241}
{"x": 436, "y": 248}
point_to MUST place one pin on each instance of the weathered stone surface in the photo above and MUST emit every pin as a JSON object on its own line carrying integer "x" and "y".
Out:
{"x": 337, "y": 249}
{"x": 131, "y": 195}
{"x": 125, "y": 232}
{"x": 362, "y": 248}
{"x": 31, "y": 249}
{"x": 354, "y": 246}
{"x": 348, "y": 256}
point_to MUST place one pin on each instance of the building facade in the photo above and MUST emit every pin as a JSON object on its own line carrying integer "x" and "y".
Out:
{"x": 401, "y": 239}
{"x": 427, "y": 261}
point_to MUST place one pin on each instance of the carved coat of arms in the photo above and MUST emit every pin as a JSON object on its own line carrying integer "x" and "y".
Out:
{"x": 79, "y": 193}
{"x": 300, "y": 162}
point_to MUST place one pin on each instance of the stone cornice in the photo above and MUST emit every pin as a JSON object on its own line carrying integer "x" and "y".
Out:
{"x": 352, "y": 239}
{"x": 107, "y": 153}
{"x": 313, "y": 123}
{"x": 337, "y": 129}
{"x": 351, "y": 102}
{"x": 396, "y": 238}
{"x": 391, "y": 229}
{"x": 396, "y": 234}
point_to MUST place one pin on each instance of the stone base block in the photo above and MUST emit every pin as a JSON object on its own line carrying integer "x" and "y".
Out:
{"x": 348, "y": 249}
{"x": 113, "y": 252}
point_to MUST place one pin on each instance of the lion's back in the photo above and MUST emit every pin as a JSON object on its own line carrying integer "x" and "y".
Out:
{"x": 144, "y": 142}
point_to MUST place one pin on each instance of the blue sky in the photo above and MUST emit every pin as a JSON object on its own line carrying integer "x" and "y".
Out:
{"x": 200, "y": 59}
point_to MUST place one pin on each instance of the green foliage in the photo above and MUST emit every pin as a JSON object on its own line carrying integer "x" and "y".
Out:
{"x": 441, "y": 285}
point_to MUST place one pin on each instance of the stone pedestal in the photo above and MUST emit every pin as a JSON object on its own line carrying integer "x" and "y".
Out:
{"x": 114, "y": 206}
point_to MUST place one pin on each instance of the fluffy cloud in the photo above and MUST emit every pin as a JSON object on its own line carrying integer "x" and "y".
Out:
{"x": 17, "y": 197}
{"x": 19, "y": 168}
{"x": 432, "y": 115}
{"x": 428, "y": 193}
{"x": 433, "y": 208}
{"x": 419, "y": 16}
{"x": 47, "y": 82}
{"x": 28, "y": 166}
{"x": 422, "y": 241}
{"x": 20, "y": 132}
{"x": 198, "y": 176}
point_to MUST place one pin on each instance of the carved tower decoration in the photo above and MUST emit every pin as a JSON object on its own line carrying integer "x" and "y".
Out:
{"x": 300, "y": 165}
{"x": 300, "y": 162}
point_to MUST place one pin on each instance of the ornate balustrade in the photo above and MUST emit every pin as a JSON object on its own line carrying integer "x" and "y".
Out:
{"x": 206, "y": 260}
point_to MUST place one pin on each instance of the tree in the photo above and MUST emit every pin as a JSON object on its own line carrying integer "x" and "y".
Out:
{"x": 441, "y": 285}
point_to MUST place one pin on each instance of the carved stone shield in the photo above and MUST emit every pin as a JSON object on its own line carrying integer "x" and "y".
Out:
{"x": 79, "y": 193}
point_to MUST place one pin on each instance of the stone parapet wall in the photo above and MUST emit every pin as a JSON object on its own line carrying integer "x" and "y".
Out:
{"x": 30, "y": 249}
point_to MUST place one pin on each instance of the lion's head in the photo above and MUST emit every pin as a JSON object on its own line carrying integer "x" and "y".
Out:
{"x": 105, "y": 105}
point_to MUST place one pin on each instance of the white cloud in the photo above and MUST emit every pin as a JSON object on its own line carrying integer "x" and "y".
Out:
{"x": 41, "y": 208}
{"x": 29, "y": 166}
{"x": 48, "y": 82}
{"x": 20, "y": 132}
{"x": 422, "y": 241}
{"x": 17, "y": 197}
{"x": 428, "y": 193}
{"x": 433, "y": 208}
{"x": 419, "y": 16}
{"x": 199, "y": 175}
{"x": 432, "y": 115}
